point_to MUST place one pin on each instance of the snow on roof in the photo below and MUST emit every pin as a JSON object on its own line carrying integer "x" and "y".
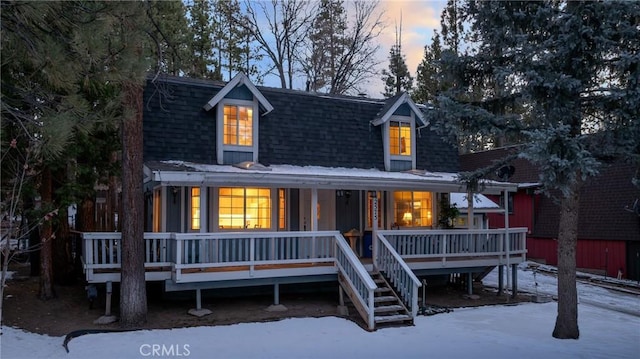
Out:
{"x": 480, "y": 202}
{"x": 328, "y": 177}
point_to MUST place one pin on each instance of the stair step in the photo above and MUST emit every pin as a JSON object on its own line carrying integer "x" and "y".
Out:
{"x": 382, "y": 289}
{"x": 385, "y": 298}
{"x": 388, "y": 308}
{"x": 378, "y": 280}
{"x": 392, "y": 318}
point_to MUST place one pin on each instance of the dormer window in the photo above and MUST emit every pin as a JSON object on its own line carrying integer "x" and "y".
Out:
{"x": 400, "y": 118}
{"x": 238, "y": 125}
{"x": 400, "y": 139}
{"x": 239, "y": 105}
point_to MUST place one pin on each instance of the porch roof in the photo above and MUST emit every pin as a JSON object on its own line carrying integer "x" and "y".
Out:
{"x": 180, "y": 173}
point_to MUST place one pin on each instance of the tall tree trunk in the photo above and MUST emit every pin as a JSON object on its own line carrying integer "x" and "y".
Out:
{"x": 46, "y": 251}
{"x": 567, "y": 320}
{"x": 133, "y": 294}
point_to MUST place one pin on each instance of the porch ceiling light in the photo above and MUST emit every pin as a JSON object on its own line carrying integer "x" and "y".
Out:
{"x": 250, "y": 165}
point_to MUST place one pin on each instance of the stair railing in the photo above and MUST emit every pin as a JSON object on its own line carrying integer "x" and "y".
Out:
{"x": 358, "y": 280}
{"x": 399, "y": 274}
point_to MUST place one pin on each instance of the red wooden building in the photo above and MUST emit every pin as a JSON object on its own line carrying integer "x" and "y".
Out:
{"x": 609, "y": 218}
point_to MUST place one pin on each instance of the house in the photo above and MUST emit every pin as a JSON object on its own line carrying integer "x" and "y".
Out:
{"x": 249, "y": 186}
{"x": 609, "y": 216}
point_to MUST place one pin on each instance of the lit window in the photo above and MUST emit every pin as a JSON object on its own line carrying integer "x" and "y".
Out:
{"x": 238, "y": 125}
{"x": 400, "y": 138}
{"x": 157, "y": 210}
{"x": 282, "y": 209}
{"x": 412, "y": 209}
{"x": 244, "y": 208}
{"x": 195, "y": 208}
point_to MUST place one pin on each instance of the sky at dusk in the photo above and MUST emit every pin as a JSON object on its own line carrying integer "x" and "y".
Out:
{"x": 419, "y": 19}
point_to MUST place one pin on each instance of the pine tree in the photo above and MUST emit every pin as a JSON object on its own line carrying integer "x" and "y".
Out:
{"x": 203, "y": 63}
{"x": 398, "y": 78}
{"x": 582, "y": 101}
{"x": 429, "y": 84}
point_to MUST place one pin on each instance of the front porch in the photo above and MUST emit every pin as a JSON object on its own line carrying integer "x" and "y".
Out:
{"x": 194, "y": 261}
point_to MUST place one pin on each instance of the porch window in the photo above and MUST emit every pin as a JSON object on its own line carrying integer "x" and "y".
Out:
{"x": 195, "y": 208}
{"x": 157, "y": 210}
{"x": 238, "y": 125}
{"x": 282, "y": 209}
{"x": 244, "y": 208}
{"x": 400, "y": 138}
{"x": 412, "y": 209}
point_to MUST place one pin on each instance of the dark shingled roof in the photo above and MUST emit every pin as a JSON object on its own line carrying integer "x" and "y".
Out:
{"x": 303, "y": 129}
{"x": 602, "y": 200}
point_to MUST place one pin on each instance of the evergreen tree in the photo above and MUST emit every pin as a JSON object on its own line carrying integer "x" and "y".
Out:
{"x": 398, "y": 78}
{"x": 582, "y": 101}
{"x": 428, "y": 79}
{"x": 203, "y": 30}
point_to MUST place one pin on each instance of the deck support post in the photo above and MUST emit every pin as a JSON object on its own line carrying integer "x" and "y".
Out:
{"x": 470, "y": 283}
{"x": 500, "y": 279}
{"x": 198, "y": 299}
{"x": 514, "y": 281}
{"x": 199, "y": 311}
{"x": 276, "y": 294}
{"x": 107, "y": 310}
{"x": 340, "y": 295}
{"x": 107, "y": 318}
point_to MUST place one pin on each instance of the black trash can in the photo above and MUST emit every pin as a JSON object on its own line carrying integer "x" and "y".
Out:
{"x": 367, "y": 244}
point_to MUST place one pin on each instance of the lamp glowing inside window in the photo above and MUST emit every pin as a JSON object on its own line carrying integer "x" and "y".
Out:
{"x": 238, "y": 125}
{"x": 400, "y": 138}
{"x": 412, "y": 209}
{"x": 244, "y": 208}
{"x": 195, "y": 208}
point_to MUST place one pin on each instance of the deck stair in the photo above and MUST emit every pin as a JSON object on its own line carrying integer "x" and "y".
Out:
{"x": 388, "y": 308}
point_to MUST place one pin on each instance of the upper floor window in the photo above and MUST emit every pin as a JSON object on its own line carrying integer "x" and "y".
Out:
{"x": 400, "y": 138}
{"x": 238, "y": 125}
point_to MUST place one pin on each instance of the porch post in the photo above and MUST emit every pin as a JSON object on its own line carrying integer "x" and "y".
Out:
{"x": 514, "y": 284}
{"x": 469, "y": 208}
{"x": 506, "y": 231}
{"x": 374, "y": 229}
{"x": 313, "y": 221}
{"x": 500, "y": 279}
{"x": 470, "y": 283}
{"x": 204, "y": 223}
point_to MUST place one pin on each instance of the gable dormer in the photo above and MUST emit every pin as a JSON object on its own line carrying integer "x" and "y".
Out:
{"x": 238, "y": 108}
{"x": 400, "y": 118}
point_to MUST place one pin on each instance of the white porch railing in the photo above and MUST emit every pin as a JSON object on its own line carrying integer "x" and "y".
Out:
{"x": 401, "y": 276}
{"x": 358, "y": 279}
{"x": 207, "y": 251}
{"x": 102, "y": 253}
{"x": 456, "y": 243}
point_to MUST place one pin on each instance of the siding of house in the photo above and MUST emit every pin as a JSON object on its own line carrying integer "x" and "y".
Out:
{"x": 599, "y": 256}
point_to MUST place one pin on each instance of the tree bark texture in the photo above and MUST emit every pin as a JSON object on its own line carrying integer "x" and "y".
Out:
{"x": 133, "y": 295}
{"x": 567, "y": 320}
{"x": 46, "y": 250}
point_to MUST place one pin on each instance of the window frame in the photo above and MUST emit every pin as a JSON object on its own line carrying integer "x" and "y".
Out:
{"x": 221, "y": 146}
{"x": 388, "y": 157}
{"x": 430, "y": 210}
{"x": 249, "y": 227}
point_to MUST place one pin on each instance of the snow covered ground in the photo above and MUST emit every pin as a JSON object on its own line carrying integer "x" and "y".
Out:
{"x": 609, "y": 328}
